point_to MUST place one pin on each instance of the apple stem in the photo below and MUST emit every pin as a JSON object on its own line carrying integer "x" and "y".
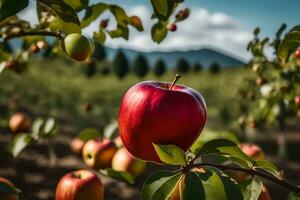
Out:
{"x": 177, "y": 77}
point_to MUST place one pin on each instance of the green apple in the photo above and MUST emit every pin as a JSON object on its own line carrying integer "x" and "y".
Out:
{"x": 78, "y": 47}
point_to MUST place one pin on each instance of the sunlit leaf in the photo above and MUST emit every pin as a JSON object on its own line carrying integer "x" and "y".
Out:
{"x": 170, "y": 154}
{"x": 119, "y": 175}
{"x": 77, "y": 4}
{"x": 251, "y": 189}
{"x": 289, "y": 44}
{"x": 19, "y": 143}
{"x": 89, "y": 134}
{"x": 159, "y": 31}
{"x": 163, "y": 8}
{"x": 93, "y": 12}
{"x": 111, "y": 130}
{"x": 159, "y": 185}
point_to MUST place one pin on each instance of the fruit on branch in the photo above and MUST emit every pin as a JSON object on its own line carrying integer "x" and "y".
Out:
{"x": 78, "y": 47}
{"x": 34, "y": 48}
{"x": 252, "y": 150}
{"x": 297, "y": 53}
{"x": 80, "y": 185}
{"x": 160, "y": 113}
{"x": 98, "y": 154}
{"x": 297, "y": 100}
{"x": 124, "y": 161}
{"x": 172, "y": 27}
{"x": 260, "y": 81}
{"x": 77, "y": 145}
{"x": 87, "y": 107}
{"x": 19, "y": 122}
{"x": 104, "y": 23}
{"x": 136, "y": 21}
{"x": 182, "y": 14}
{"x": 7, "y": 196}
{"x": 264, "y": 195}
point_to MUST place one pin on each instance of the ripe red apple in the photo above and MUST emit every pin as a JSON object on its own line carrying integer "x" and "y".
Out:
{"x": 156, "y": 112}
{"x": 19, "y": 122}
{"x": 98, "y": 154}
{"x": 297, "y": 53}
{"x": 172, "y": 27}
{"x": 80, "y": 185}
{"x": 124, "y": 161}
{"x": 297, "y": 100}
{"x": 77, "y": 145}
{"x": 6, "y": 196}
{"x": 252, "y": 150}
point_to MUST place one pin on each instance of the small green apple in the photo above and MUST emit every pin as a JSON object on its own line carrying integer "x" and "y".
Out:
{"x": 78, "y": 47}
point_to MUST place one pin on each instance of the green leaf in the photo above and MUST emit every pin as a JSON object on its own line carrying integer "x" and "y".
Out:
{"x": 193, "y": 189}
{"x": 122, "y": 22}
{"x": 62, "y": 10}
{"x": 93, "y": 12}
{"x": 227, "y": 148}
{"x": 100, "y": 36}
{"x": 120, "y": 31}
{"x": 111, "y": 130}
{"x": 19, "y": 143}
{"x": 269, "y": 167}
{"x": 251, "y": 189}
{"x": 8, "y": 189}
{"x": 159, "y": 185}
{"x": 49, "y": 125}
{"x": 170, "y": 154}
{"x": 293, "y": 196}
{"x": 77, "y": 4}
{"x": 163, "y": 8}
{"x": 119, "y": 175}
{"x": 37, "y": 127}
{"x": 67, "y": 27}
{"x": 89, "y": 134}
{"x": 289, "y": 44}
{"x": 219, "y": 187}
{"x": 9, "y": 8}
{"x": 159, "y": 31}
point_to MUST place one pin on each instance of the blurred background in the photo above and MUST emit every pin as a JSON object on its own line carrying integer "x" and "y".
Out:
{"x": 209, "y": 50}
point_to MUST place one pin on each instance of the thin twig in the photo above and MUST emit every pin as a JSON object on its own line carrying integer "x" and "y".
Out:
{"x": 278, "y": 181}
{"x": 32, "y": 33}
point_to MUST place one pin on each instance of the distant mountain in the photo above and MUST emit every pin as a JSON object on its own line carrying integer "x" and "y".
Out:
{"x": 205, "y": 56}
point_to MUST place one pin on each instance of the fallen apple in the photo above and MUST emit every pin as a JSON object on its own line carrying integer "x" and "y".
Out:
{"x": 98, "y": 154}
{"x": 160, "y": 113}
{"x": 80, "y": 185}
{"x": 77, "y": 145}
{"x": 124, "y": 161}
{"x": 20, "y": 122}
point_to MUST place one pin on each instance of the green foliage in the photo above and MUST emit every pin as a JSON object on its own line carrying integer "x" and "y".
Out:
{"x": 19, "y": 143}
{"x": 111, "y": 130}
{"x": 182, "y": 66}
{"x": 89, "y": 134}
{"x": 140, "y": 66}
{"x": 11, "y": 7}
{"x": 214, "y": 68}
{"x": 170, "y": 154}
{"x": 120, "y": 65}
{"x": 197, "y": 67}
{"x": 159, "y": 31}
{"x": 159, "y": 68}
{"x": 289, "y": 44}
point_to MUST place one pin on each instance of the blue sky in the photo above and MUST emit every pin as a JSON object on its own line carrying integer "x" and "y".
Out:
{"x": 226, "y": 25}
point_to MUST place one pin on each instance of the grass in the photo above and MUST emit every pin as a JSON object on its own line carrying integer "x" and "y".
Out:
{"x": 55, "y": 88}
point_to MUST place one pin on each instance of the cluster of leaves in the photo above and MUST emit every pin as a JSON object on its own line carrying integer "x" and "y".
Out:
{"x": 42, "y": 129}
{"x": 199, "y": 178}
{"x": 268, "y": 97}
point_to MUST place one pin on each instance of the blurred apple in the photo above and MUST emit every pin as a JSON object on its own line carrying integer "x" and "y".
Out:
{"x": 124, "y": 161}
{"x": 98, "y": 154}
{"x": 264, "y": 195}
{"x": 6, "y": 196}
{"x": 252, "y": 150}
{"x": 77, "y": 145}
{"x": 19, "y": 122}
{"x": 80, "y": 185}
{"x": 118, "y": 142}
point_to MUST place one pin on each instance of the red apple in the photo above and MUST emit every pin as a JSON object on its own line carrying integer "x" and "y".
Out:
{"x": 172, "y": 27}
{"x": 98, "y": 154}
{"x": 297, "y": 53}
{"x": 297, "y": 100}
{"x": 80, "y": 185}
{"x": 7, "y": 196}
{"x": 34, "y": 48}
{"x": 252, "y": 150}
{"x": 77, "y": 145}
{"x": 19, "y": 122}
{"x": 124, "y": 161}
{"x": 156, "y": 112}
